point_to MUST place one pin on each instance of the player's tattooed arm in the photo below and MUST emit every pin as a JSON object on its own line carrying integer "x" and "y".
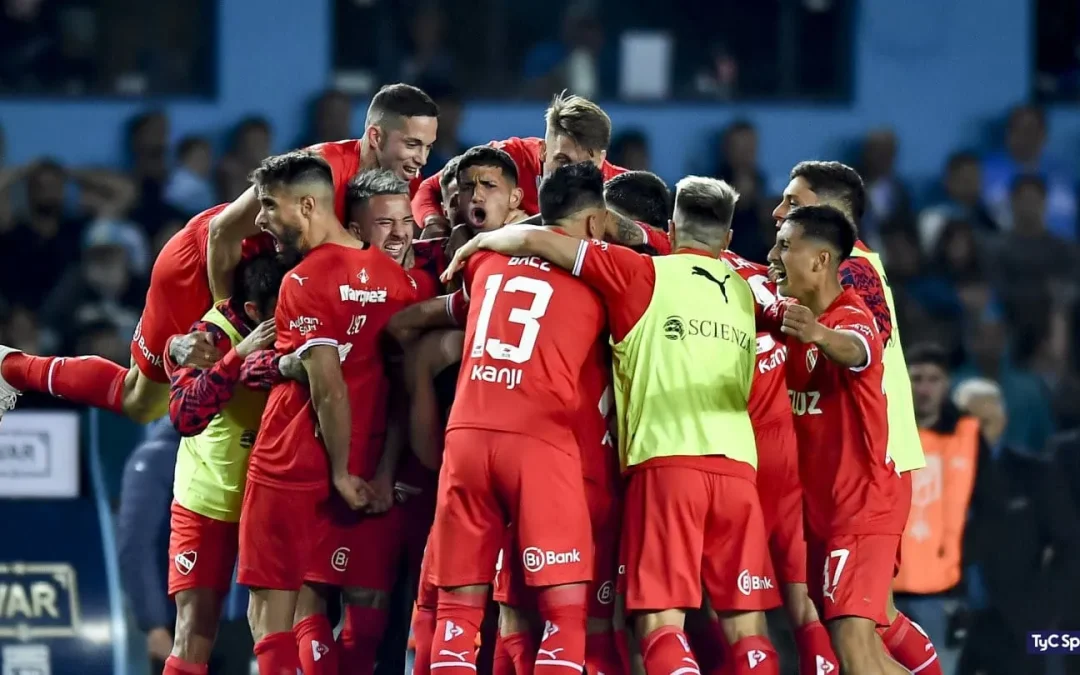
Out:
{"x": 228, "y": 230}
{"x": 330, "y": 398}
{"x": 623, "y": 231}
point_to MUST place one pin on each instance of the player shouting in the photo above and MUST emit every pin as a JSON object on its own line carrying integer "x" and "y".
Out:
{"x": 195, "y": 268}
{"x": 855, "y": 503}
{"x": 838, "y": 185}
{"x": 219, "y": 420}
{"x": 330, "y": 311}
{"x": 683, "y": 369}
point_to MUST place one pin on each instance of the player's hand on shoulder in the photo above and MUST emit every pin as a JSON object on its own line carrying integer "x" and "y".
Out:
{"x": 194, "y": 350}
{"x": 801, "y": 323}
{"x": 262, "y": 337}
{"x": 356, "y": 493}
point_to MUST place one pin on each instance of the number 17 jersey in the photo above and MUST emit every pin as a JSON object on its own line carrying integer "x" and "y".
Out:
{"x": 532, "y": 333}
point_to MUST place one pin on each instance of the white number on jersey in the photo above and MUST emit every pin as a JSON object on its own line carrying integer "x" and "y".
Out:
{"x": 528, "y": 318}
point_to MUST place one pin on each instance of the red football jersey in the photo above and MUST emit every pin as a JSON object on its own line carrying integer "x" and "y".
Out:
{"x": 599, "y": 459}
{"x": 339, "y": 296}
{"x": 850, "y": 483}
{"x": 532, "y": 335}
{"x": 344, "y": 160}
{"x": 527, "y": 155}
{"x": 429, "y": 261}
{"x": 768, "y": 399}
{"x": 250, "y": 247}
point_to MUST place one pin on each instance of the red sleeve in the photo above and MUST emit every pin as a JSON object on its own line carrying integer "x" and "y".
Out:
{"x": 457, "y": 306}
{"x": 657, "y": 239}
{"x": 859, "y": 323}
{"x": 860, "y": 276}
{"x": 260, "y": 370}
{"x": 306, "y": 314}
{"x": 344, "y": 160}
{"x": 623, "y": 278}
{"x": 427, "y": 201}
{"x": 196, "y": 396}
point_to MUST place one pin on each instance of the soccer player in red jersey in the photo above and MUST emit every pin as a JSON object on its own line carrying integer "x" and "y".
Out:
{"x": 838, "y": 185}
{"x": 855, "y": 505}
{"x": 511, "y": 450}
{"x": 219, "y": 421}
{"x": 331, "y": 310}
{"x": 577, "y": 130}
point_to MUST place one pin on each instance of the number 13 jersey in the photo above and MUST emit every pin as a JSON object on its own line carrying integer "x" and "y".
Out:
{"x": 532, "y": 333}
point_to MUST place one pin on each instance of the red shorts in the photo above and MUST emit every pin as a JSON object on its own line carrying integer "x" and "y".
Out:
{"x": 178, "y": 296}
{"x": 358, "y": 550}
{"x": 604, "y": 516}
{"x": 781, "y": 499}
{"x": 280, "y": 529}
{"x": 202, "y": 551}
{"x": 416, "y": 495}
{"x": 684, "y": 528}
{"x": 852, "y": 574}
{"x": 490, "y": 479}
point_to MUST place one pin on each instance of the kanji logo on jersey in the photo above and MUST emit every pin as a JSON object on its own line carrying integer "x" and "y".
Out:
{"x": 185, "y": 561}
{"x": 534, "y": 559}
{"x": 509, "y": 377}
{"x": 748, "y": 583}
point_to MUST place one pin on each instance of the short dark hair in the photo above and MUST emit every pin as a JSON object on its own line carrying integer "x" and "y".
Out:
{"x": 394, "y": 102}
{"x": 827, "y": 224}
{"x": 372, "y": 183}
{"x": 640, "y": 195}
{"x": 449, "y": 173}
{"x": 958, "y": 159}
{"x": 190, "y": 143}
{"x": 257, "y": 280}
{"x": 292, "y": 168}
{"x": 834, "y": 181}
{"x": 1028, "y": 109}
{"x": 485, "y": 155}
{"x": 581, "y": 120}
{"x": 1028, "y": 180}
{"x": 703, "y": 204}
{"x": 924, "y": 353}
{"x": 570, "y": 189}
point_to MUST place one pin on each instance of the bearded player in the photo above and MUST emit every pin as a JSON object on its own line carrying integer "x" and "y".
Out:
{"x": 510, "y": 446}
{"x": 692, "y": 515}
{"x": 321, "y": 316}
{"x": 856, "y": 505}
{"x": 195, "y": 268}
{"x": 219, "y": 420}
{"x": 841, "y": 187}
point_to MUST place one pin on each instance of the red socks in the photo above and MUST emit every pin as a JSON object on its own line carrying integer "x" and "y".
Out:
{"x": 423, "y": 631}
{"x": 562, "y": 644}
{"x": 521, "y": 649}
{"x": 909, "y": 645}
{"x": 458, "y": 621}
{"x": 315, "y": 646}
{"x": 177, "y": 666}
{"x": 622, "y": 645}
{"x": 87, "y": 380}
{"x": 666, "y": 650}
{"x": 359, "y": 639}
{"x": 276, "y": 654}
{"x": 754, "y": 656}
{"x": 602, "y": 656}
{"x": 816, "y": 655}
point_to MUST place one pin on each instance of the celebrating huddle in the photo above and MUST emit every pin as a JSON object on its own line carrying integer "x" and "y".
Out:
{"x": 651, "y": 440}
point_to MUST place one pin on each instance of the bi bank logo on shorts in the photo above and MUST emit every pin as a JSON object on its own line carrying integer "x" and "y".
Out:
{"x": 534, "y": 559}
{"x": 748, "y": 583}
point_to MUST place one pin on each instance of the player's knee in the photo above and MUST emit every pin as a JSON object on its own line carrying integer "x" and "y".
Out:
{"x": 856, "y": 643}
{"x": 197, "y": 612}
{"x": 647, "y": 622}
{"x": 512, "y": 620}
{"x": 310, "y": 601}
{"x": 368, "y": 598}
{"x": 891, "y": 612}
{"x": 256, "y": 615}
{"x": 798, "y": 605}
{"x": 740, "y": 625}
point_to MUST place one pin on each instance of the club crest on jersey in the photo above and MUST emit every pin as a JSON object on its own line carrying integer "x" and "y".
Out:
{"x": 185, "y": 561}
{"x": 811, "y": 359}
{"x": 363, "y": 276}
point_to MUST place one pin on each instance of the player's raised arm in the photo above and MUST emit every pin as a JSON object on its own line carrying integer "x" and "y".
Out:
{"x": 845, "y": 345}
{"x": 228, "y": 230}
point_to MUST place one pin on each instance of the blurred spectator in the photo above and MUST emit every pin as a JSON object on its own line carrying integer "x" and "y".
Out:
{"x": 249, "y": 143}
{"x": 189, "y": 190}
{"x": 101, "y": 336}
{"x": 1021, "y": 544}
{"x": 1025, "y": 153}
{"x": 962, "y": 200}
{"x": 888, "y": 200}
{"x": 930, "y": 573}
{"x": 21, "y": 331}
{"x": 36, "y": 54}
{"x": 448, "y": 143}
{"x": 927, "y": 306}
{"x": 331, "y": 119}
{"x": 148, "y": 154}
{"x": 738, "y": 165}
{"x": 956, "y": 258}
{"x": 101, "y": 288}
{"x": 575, "y": 61}
{"x": 430, "y": 57}
{"x": 1027, "y": 401}
{"x": 630, "y": 150}
{"x": 45, "y": 234}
